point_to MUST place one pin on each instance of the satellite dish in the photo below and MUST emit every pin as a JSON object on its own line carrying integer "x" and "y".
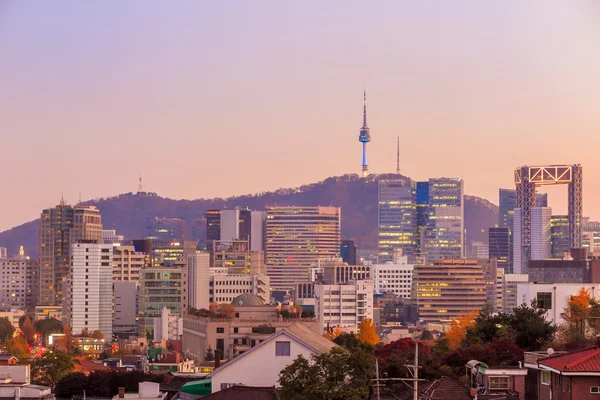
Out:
{"x": 550, "y": 351}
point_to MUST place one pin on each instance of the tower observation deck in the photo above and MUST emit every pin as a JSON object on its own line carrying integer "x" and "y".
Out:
{"x": 364, "y": 137}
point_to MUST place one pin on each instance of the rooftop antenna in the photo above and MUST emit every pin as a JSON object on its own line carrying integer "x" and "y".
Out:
{"x": 398, "y": 156}
{"x": 79, "y": 202}
{"x": 62, "y": 198}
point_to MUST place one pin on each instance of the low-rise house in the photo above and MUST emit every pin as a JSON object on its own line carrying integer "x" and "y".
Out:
{"x": 568, "y": 375}
{"x": 15, "y": 383}
{"x": 8, "y": 359}
{"x": 497, "y": 381}
{"x": 146, "y": 391}
{"x": 272, "y": 356}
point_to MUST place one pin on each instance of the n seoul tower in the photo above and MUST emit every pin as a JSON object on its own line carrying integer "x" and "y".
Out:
{"x": 364, "y": 137}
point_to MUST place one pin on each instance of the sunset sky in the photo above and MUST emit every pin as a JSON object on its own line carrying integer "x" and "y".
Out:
{"x": 211, "y": 98}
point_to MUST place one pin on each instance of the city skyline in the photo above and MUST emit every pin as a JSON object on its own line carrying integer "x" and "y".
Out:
{"x": 122, "y": 94}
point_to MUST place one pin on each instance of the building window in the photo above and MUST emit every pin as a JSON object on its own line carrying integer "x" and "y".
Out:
{"x": 546, "y": 377}
{"x": 220, "y": 330}
{"x": 544, "y": 300}
{"x": 498, "y": 382}
{"x": 282, "y": 349}
{"x": 235, "y": 330}
{"x": 595, "y": 389}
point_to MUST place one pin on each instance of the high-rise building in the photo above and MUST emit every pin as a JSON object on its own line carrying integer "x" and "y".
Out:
{"x": 3, "y": 252}
{"x": 125, "y": 299}
{"x": 298, "y": 237}
{"x": 541, "y": 238}
{"x": 448, "y": 289}
{"x": 213, "y": 226}
{"x": 394, "y": 277}
{"x": 343, "y": 305}
{"x": 14, "y": 278}
{"x": 165, "y": 229}
{"x": 559, "y": 231}
{"x": 159, "y": 287}
{"x": 257, "y": 230}
{"x": 500, "y": 246}
{"x": 236, "y": 258}
{"x": 60, "y": 227}
{"x": 509, "y": 290}
{"x": 127, "y": 263}
{"x": 444, "y": 233}
{"x": 480, "y": 250}
{"x": 348, "y": 252}
{"x": 91, "y": 297}
{"x": 508, "y": 203}
{"x": 172, "y": 253}
{"x": 224, "y": 288}
{"x": 198, "y": 274}
{"x": 422, "y": 213}
{"x": 526, "y": 180}
{"x": 199, "y": 232}
{"x": 397, "y": 218}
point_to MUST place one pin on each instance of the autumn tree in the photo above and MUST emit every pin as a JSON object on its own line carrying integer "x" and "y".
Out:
{"x": 28, "y": 330}
{"x": 6, "y": 329}
{"x": 367, "y": 333}
{"x": 227, "y": 309}
{"x": 18, "y": 347}
{"x": 213, "y": 307}
{"x": 576, "y": 318}
{"x": 458, "y": 329}
{"x": 332, "y": 333}
{"x": 51, "y": 367}
{"x": 96, "y": 334}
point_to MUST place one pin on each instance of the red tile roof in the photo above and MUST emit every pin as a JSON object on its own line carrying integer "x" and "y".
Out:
{"x": 585, "y": 360}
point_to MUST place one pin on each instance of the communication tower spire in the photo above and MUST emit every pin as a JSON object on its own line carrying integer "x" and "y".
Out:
{"x": 398, "y": 156}
{"x": 364, "y": 137}
{"x": 140, "y": 188}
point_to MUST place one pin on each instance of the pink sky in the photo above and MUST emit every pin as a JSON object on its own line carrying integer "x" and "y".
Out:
{"x": 223, "y": 98}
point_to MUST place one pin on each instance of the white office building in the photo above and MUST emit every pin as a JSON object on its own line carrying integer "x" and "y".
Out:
{"x": 343, "y": 305}
{"x": 394, "y": 277}
{"x": 91, "y": 290}
{"x": 554, "y": 297}
{"x": 225, "y": 287}
{"x": 541, "y": 233}
{"x": 198, "y": 280}
{"x": 257, "y": 230}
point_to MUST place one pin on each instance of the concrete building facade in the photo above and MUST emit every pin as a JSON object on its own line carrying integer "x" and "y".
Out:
{"x": 91, "y": 292}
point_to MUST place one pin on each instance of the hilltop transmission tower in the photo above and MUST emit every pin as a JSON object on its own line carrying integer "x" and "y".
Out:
{"x": 364, "y": 137}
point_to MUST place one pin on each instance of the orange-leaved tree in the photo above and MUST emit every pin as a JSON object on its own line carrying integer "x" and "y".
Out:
{"x": 332, "y": 333}
{"x": 575, "y": 316}
{"x": 366, "y": 332}
{"x": 458, "y": 328}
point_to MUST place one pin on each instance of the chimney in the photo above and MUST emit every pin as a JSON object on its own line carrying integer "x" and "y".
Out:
{"x": 217, "y": 358}
{"x": 121, "y": 392}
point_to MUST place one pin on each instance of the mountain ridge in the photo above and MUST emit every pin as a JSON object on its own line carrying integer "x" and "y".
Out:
{"x": 128, "y": 213}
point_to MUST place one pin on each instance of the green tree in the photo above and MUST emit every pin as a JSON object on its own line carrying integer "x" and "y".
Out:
{"x": 47, "y": 326}
{"x": 338, "y": 375}
{"x": 6, "y": 329}
{"x": 426, "y": 335}
{"x": 28, "y": 330}
{"x": 529, "y": 326}
{"x": 51, "y": 367}
{"x": 351, "y": 342}
{"x": 96, "y": 334}
{"x": 18, "y": 347}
